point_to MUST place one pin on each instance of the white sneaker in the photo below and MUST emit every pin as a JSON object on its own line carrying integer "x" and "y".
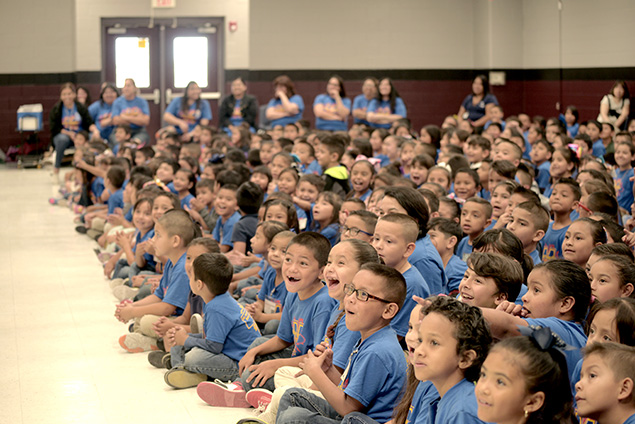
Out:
{"x": 124, "y": 292}
{"x": 196, "y": 324}
{"x": 137, "y": 342}
{"x": 116, "y": 283}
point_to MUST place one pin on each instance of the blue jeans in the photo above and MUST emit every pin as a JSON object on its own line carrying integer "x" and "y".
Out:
{"x": 358, "y": 418}
{"x": 61, "y": 143}
{"x": 203, "y": 362}
{"x": 269, "y": 384}
{"x": 299, "y": 406}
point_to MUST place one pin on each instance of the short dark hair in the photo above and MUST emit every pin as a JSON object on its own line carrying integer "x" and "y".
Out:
{"x": 448, "y": 227}
{"x": 215, "y": 271}
{"x": 208, "y": 243}
{"x": 619, "y": 358}
{"x": 116, "y": 175}
{"x": 264, "y": 170}
{"x": 177, "y": 222}
{"x": 316, "y": 243}
{"x": 616, "y": 248}
{"x": 335, "y": 143}
{"x": 453, "y": 204}
{"x": 174, "y": 164}
{"x": 603, "y": 203}
{"x": 229, "y": 177}
{"x": 205, "y": 183}
{"x": 586, "y": 139}
{"x": 367, "y": 217}
{"x": 539, "y": 215}
{"x": 314, "y": 180}
{"x": 249, "y": 197}
{"x": 482, "y": 202}
{"x": 506, "y": 272}
{"x": 573, "y": 184}
{"x": 431, "y": 199}
{"x": 504, "y": 168}
{"x": 414, "y": 203}
{"x": 409, "y": 225}
{"x": 394, "y": 284}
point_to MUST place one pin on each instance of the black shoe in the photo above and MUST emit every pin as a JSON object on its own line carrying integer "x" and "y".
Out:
{"x": 166, "y": 360}
{"x": 156, "y": 358}
{"x": 131, "y": 328}
{"x": 161, "y": 345}
{"x": 81, "y": 229}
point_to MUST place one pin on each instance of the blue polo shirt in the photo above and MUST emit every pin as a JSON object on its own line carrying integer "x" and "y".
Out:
{"x": 174, "y": 287}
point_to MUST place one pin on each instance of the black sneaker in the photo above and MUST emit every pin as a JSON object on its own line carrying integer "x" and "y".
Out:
{"x": 160, "y": 344}
{"x": 81, "y": 229}
{"x": 156, "y": 358}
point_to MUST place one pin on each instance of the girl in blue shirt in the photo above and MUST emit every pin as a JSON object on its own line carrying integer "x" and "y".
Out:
{"x": 101, "y": 112}
{"x": 286, "y": 107}
{"x": 361, "y": 102}
{"x": 624, "y": 154}
{"x": 326, "y": 212}
{"x": 332, "y": 109}
{"x": 184, "y": 183}
{"x": 387, "y": 107}
{"x": 524, "y": 379}
{"x": 186, "y": 113}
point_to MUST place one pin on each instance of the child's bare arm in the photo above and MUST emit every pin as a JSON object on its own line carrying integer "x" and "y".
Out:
{"x": 246, "y": 274}
{"x": 304, "y": 204}
{"x": 274, "y": 344}
{"x": 503, "y": 324}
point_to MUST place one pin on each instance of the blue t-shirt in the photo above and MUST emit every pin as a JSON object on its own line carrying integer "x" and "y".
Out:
{"x": 521, "y": 293}
{"x": 312, "y": 168}
{"x": 458, "y": 405}
{"x": 455, "y": 270}
{"x": 366, "y": 195}
{"x": 115, "y": 201}
{"x": 97, "y": 187}
{"x": 477, "y": 111}
{"x": 361, "y": 102}
{"x": 425, "y": 395}
{"x": 415, "y": 285}
{"x": 174, "y": 287}
{"x": 544, "y": 176}
{"x": 624, "y": 188}
{"x": 273, "y": 296}
{"x": 101, "y": 110}
{"x": 598, "y": 148}
{"x": 276, "y": 104}
{"x": 186, "y": 201}
{"x": 223, "y": 231}
{"x": 552, "y": 243}
{"x": 237, "y": 117}
{"x": 150, "y": 262}
{"x": 464, "y": 248}
{"x": 428, "y": 262}
{"x": 375, "y": 374}
{"x": 344, "y": 339}
{"x": 383, "y": 107}
{"x": 71, "y": 119}
{"x": 535, "y": 256}
{"x": 332, "y": 233}
{"x": 570, "y": 332}
{"x": 330, "y": 105}
{"x": 228, "y": 323}
{"x": 303, "y": 322}
{"x": 136, "y": 106}
{"x": 192, "y": 116}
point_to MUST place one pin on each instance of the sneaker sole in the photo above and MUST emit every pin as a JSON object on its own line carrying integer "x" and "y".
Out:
{"x": 215, "y": 395}
{"x": 258, "y": 397}
{"x": 182, "y": 379}
{"x": 122, "y": 343}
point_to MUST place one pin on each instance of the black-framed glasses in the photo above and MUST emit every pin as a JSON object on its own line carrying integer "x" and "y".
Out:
{"x": 354, "y": 230}
{"x": 362, "y": 294}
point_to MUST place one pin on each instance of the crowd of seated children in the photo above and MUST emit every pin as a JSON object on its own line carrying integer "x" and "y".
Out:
{"x": 240, "y": 261}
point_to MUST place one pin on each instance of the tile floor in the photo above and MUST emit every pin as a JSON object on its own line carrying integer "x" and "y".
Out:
{"x": 61, "y": 362}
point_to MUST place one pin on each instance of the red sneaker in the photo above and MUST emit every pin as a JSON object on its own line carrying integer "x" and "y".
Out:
{"x": 228, "y": 395}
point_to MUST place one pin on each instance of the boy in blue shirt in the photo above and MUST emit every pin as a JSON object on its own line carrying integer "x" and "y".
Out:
{"x": 226, "y": 206}
{"x": 374, "y": 376}
{"x": 228, "y": 329}
{"x": 444, "y": 235}
{"x": 475, "y": 218}
{"x": 529, "y": 222}
{"x": 563, "y": 200}
{"x": 394, "y": 240}
{"x": 305, "y": 316}
{"x": 540, "y": 155}
{"x": 95, "y": 221}
{"x": 248, "y": 199}
{"x": 172, "y": 233}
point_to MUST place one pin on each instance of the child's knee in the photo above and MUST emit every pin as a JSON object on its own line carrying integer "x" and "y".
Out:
{"x": 145, "y": 325}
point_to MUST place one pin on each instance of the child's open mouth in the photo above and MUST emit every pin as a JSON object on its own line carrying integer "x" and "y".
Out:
{"x": 292, "y": 279}
{"x": 466, "y": 297}
{"x": 332, "y": 283}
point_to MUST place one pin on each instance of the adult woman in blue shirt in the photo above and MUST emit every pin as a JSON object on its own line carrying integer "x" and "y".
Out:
{"x": 332, "y": 109}
{"x": 361, "y": 102}
{"x": 238, "y": 107}
{"x": 476, "y": 107}
{"x": 387, "y": 107}
{"x": 129, "y": 109}
{"x": 101, "y": 113}
{"x": 186, "y": 113}
{"x": 286, "y": 107}
{"x": 66, "y": 119}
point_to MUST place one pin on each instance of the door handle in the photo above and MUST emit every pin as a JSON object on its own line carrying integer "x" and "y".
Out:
{"x": 210, "y": 96}
{"x": 168, "y": 96}
{"x": 155, "y": 96}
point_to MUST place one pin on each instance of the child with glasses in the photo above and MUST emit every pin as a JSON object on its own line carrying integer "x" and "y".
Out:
{"x": 359, "y": 225}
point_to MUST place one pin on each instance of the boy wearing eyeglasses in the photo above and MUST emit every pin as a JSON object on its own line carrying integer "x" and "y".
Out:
{"x": 359, "y": 225}
{"x": 394, "y": 240}
{"x": 375, "y": 373}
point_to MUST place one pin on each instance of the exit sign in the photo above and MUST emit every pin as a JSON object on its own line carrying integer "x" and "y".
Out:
{"x": 164, "y": 3}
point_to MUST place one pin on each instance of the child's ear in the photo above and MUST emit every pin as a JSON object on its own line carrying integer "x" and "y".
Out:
{"x": 452, "y": 241}
{"x": 321, "y": 274}
{"x": 567, "y": 304}
{"x": 390, "y": 311}
{"x": 516, "y": 162}
{"x": 409, "y": 250}
{"x": 434, "y": 215}
{"x": 500, "y": 298}
{"x": 626, "y": 390}
{"x": 627, "y": 290}
{"x": 538, "y": 235}
{"x": 467, "y": 359}
{"x": 534, "y": 402}
{"x": 575, "y": 204}
{"x": 176, "y": 241}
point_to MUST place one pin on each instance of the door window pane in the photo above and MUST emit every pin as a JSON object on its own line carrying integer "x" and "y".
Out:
{"x": 132, "y": 60}
{"x": 190, "y": 61}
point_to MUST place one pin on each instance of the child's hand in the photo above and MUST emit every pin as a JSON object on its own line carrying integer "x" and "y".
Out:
{"x": 271, "y": 188}
{"x": 168, "y": 339}
{"x": 153, "y": 285}
{"x": 116, "y": 218}
{"x": 195, "y": 215}
{"x": 109, "y": 266}
{"x": 421, "y": 301}
{"x": 629, "y": 238}
{"x": 196, "y": 205}
{"x": 125, "y": 312}
{"x": 246, "y": 362}
{"x": 503, "y": 220}
{"x": 180, "y": 335}
{"x": 511, "y": 308}
{"x": 235, "y": 257}
{"x": 314, "y": 364}
{"x": 249, "y": 259}
{"x": 261, "y": 373}
{"x": 150, "y": 247}
{"x": 141, "y": 247}
{"x": 321, "y": 348}
{"x": 162, "y": 326}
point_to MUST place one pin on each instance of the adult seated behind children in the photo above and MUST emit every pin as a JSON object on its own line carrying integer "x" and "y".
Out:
{"x": 129, "y": 109}
{"x": 185, "y": 114}
{"x": 238, "y": 107}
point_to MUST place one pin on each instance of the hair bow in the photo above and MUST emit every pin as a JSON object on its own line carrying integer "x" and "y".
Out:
{"x": 373, "y": 161}
{"x": 457, "y": 199}
{"x": 216, "y": 158}
{"x": 576, "y": 149}
{"x": 544, "y": 338}
{"x": 158, "y": 183}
